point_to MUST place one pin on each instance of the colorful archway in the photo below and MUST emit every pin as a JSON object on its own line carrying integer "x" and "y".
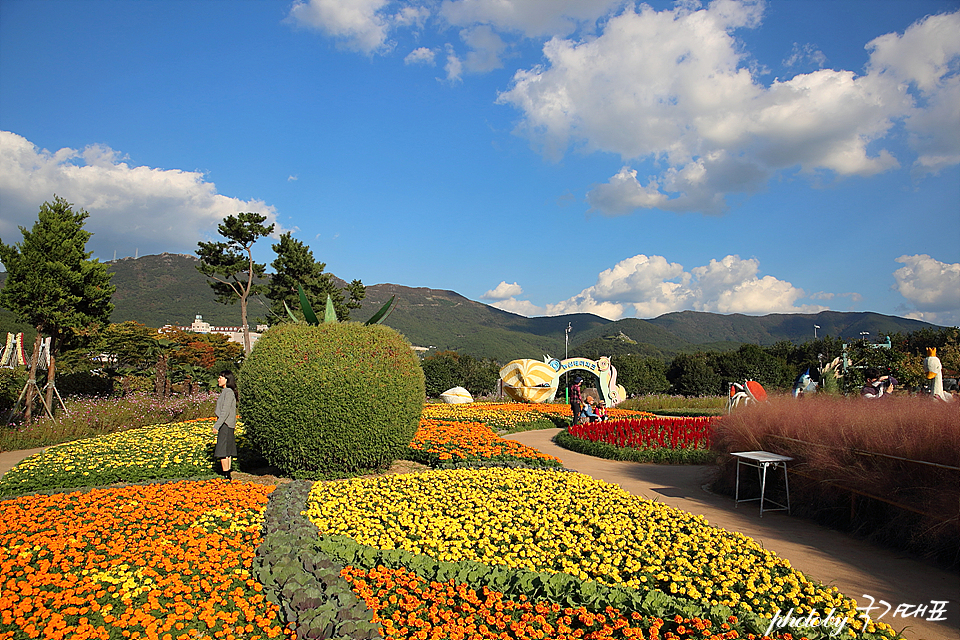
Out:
{"x": 529, "y": 380}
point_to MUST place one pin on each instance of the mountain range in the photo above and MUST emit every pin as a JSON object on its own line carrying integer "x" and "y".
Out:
{"x": 166, "y": 289}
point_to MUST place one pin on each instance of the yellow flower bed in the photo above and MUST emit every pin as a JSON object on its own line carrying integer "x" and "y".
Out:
{"x": 172, "y": 450}
{"x": 571, "y": 523}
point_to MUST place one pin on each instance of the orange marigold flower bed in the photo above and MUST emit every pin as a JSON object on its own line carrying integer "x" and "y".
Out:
{"x": 408, "y": 607}
{"x": 156, "y": 562}
{"x": 445, "y": 441}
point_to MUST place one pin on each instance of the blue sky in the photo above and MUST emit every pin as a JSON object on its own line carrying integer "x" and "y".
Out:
{"x": 543, "y": 156}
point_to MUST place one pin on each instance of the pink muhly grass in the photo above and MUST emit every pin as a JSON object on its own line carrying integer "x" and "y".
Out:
{"x": 888, "y": 468}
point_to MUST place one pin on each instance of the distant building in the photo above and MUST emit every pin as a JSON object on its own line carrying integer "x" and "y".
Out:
{"x": 234, "y": 334}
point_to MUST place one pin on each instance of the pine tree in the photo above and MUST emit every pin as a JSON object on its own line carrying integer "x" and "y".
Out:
{"x": 295, "y": 265}
{"x": 230, "y": 264}
{"x": 53, "y": 284}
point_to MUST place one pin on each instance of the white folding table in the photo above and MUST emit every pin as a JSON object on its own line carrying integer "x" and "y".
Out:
{"x": 763, "y": 460}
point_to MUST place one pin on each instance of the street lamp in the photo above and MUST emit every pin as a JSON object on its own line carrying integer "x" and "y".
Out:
{"x": 566, "y": 352}
{"x": 864, "y": 334}
{"x": 815, "y": 327}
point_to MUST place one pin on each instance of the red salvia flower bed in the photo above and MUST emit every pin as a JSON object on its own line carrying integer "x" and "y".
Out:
{"x": 650, "y": 433}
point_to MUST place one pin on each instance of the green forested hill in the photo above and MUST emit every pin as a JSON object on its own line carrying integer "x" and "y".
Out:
{"x": 699, "y": 327}
{"x": 446, "y": 320}
{"x": 168, "y": 289}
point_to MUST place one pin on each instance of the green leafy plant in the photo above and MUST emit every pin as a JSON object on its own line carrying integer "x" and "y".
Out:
{"x": 330, "y": 313}
{"x": 316, "y": 601}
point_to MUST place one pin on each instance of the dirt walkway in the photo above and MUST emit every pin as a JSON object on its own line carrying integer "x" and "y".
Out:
{"x": 853, "y": 566}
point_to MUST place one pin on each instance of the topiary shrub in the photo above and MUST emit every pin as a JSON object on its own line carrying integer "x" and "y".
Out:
{"x": 337, "y": 397}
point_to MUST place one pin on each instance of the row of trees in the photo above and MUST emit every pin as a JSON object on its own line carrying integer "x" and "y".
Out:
{"x": 55, "y": 286}
{"x": 779, "y": 365}
{"x": 707, "y": 373}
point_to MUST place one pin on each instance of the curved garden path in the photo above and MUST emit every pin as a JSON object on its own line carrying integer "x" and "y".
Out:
{"x": 854, "y": 566}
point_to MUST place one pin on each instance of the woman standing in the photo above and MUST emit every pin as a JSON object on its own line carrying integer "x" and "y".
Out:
{"x": 226, "y": 422}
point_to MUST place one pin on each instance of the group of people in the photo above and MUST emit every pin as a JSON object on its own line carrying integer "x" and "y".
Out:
{"x": 585, "y": 409}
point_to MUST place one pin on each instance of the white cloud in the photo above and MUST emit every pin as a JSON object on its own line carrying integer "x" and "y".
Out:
{"x": 521, "y": 307}
{"x": 928, "y": 284}
{"x": 931, "y": 287}
{"x": 421, "y": 55}
{"x": 131, "y": 208}
{"x": 676, "y": 87}
{"x": 503, "y": 291}
{"x": 926, "y": 56}
{"x": 807, "y": 54}
{"x": 624, "y": 193}
{"x": 485, "y": 47}
{"x": 360, "y": 25}
{"x": 454, "y": 66}
{"x": 650, "y": 286}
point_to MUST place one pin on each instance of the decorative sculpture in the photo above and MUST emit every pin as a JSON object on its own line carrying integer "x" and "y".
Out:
{"x": 528, "y": 380}
{"x": 749, "y": 392}
{"x": 456, "y": 395}
{"x": 13, "y": 353}
{"x": 804, "y": 385}
{"x": 934, "y": 371}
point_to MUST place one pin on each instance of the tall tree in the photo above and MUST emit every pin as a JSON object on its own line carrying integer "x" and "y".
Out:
{"x": 230, "y": 264}
{"x": 295, "y": 265}
{"x": 53, "y": 284}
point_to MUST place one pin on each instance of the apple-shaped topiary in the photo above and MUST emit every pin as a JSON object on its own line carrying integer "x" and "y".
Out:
{"x": 333, "y": 397}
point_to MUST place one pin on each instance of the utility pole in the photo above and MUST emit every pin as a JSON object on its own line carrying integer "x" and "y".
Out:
{"x": 566, "y": 354}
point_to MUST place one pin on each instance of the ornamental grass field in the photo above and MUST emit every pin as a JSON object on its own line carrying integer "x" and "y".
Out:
{"x": 522, "y": 549}
{"x": 888, "y": 470}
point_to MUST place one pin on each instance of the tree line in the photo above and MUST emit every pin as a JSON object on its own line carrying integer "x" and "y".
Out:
{"x": 56, "y": 286}
{"x": 708, "y": 373}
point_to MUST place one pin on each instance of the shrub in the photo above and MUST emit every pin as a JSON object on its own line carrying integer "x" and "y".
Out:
{"x": 333, "y": 397}
{"x": 84, "y": 383}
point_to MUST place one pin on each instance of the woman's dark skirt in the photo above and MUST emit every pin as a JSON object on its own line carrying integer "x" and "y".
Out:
{"x": 226, "y": 443}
